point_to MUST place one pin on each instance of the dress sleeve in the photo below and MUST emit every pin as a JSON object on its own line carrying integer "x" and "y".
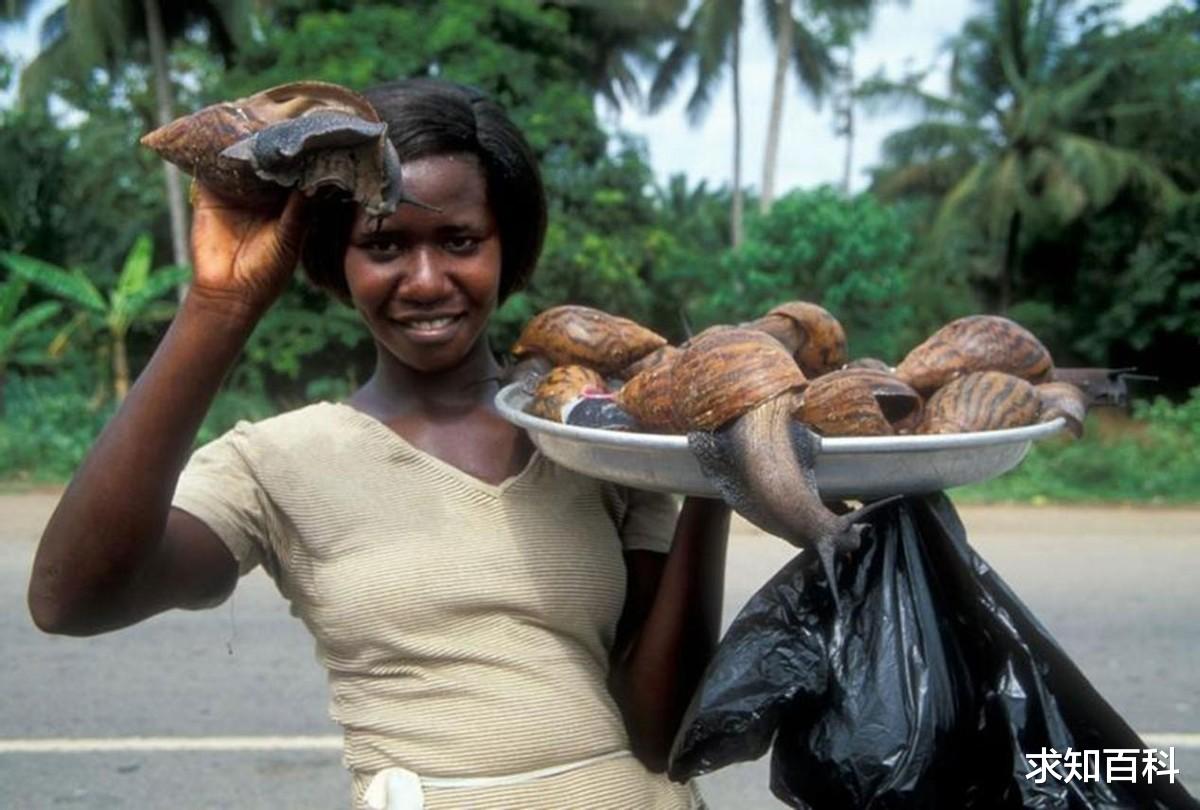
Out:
{"x": 649, "y": 522}
{"x": 218, "y": 486}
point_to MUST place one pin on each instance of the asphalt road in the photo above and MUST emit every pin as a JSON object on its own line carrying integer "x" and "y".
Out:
{"x": 1118, "y": 589}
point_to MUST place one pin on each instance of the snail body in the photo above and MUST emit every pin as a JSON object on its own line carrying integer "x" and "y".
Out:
{"x": 814, "y": 338}
{"x": 1065, "y": 400}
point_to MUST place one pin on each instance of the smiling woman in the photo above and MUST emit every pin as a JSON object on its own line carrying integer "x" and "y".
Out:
{"x": 497, "y": 630}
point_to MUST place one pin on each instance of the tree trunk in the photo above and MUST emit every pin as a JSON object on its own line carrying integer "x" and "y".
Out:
{"x": 162, "y": 97}
{"x": 736, "y": 217}
{"x": 120, "y": 367}
{"x": 1008, "y": 270}
{"x": 848, "y": 124}
{"x": 783, "y": 53}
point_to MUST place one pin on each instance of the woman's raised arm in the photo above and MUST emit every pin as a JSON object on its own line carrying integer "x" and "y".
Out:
{"x": 114, "y": 552}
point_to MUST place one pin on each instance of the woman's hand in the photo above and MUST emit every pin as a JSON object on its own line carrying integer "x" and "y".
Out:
{"x": 244, "y": 257}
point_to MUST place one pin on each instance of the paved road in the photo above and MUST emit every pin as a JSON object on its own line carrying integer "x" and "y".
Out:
{"x": 1118, "y": 588}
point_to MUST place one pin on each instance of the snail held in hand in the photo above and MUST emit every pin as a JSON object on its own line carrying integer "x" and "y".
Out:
{"x": 304, "y": 135}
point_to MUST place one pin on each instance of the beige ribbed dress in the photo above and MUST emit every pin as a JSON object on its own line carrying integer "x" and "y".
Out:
{"x": 465, "y": 627}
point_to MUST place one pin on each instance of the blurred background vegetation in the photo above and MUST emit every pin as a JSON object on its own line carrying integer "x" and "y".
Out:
{"x": 1055, "y": 182}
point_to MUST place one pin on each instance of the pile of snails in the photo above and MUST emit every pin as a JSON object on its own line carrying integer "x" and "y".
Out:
{"x": 751, "y": 397}
{"x": 981, "y": 372}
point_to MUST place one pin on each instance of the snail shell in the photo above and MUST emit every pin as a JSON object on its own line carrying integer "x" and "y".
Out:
{"x": 873, "y": 363}
{"x": 809, "y": 332}
{"x": 562, "y": 387}
{"x": 1065, "y": 400}
{"x": 649, "y": 396}
{"x": 725, "y": 372}
{"x": 982, "y": 400}
{"x": 657, "y": 357}
{"x": 858, "y": 402}
{"x": 305, "y": 135}
{"x": 976, "y": 343}
{"x": 578, "y": 335}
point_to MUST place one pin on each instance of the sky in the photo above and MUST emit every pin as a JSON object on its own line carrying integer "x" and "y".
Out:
{"x": 809, "y": 153}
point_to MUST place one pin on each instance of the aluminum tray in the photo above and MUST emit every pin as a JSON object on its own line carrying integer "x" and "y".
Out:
{"x": 855, "y": 467}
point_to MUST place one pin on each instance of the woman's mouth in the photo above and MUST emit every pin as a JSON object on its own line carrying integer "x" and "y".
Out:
{"x": 431, "y": 329}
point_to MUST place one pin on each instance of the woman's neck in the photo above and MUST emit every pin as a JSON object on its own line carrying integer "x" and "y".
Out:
{"x": 396, "y": 389}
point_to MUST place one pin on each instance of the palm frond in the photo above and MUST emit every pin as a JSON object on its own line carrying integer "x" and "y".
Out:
{"x": 11, "y": 293}
{"x": 137, "y": 267}
{"x": 812, "y": 61}
{"x": 158, "y": 284}
{"x": 72, "y": 285}
{"x": 34, "y": 317}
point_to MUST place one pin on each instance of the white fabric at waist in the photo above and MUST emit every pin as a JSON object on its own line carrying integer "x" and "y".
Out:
{"x": 398, "y": 788}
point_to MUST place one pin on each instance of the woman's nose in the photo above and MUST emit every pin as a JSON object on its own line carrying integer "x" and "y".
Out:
{"x": 424, "y": 280}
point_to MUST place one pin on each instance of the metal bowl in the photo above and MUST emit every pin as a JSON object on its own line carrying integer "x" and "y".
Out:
{"x": 852, "y": 467}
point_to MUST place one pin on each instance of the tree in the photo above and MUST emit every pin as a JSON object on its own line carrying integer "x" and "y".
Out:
{"x": 82, "y": 35}
{"x": 707, "y": 43}
{"x": 17, "y": 326}
{"x": 127, "y": 304}
{"x": 616, "y": 37}
{"x": 1006, "y": 150}
{"x": 809, "y": 49}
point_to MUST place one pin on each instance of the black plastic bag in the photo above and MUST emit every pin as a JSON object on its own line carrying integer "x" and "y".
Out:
{"x": 926, "y": 688}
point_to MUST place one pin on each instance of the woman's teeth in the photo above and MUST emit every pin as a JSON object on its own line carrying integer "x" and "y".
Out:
{"x": 430, "y": 324}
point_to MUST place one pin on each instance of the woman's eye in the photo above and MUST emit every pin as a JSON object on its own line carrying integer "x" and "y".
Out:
{"x": 382, "y": 248}
{"x": 461, "y": 244}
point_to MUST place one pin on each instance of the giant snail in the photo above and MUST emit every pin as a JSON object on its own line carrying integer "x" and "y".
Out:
{"x": 304, "y": 135}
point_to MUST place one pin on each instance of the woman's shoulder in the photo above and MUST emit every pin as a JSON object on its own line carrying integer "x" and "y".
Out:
{"x": 307, "y": 431}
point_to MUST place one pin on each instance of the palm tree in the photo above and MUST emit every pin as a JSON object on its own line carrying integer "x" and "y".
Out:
{"x": 618, "y": 38}
{"x": 709, "y": 41}
{"x": 127, "y": 304}
{"x": 1004, "y": 150}
{"x": 808, "y": 48}
{"x": 81, "y": 35}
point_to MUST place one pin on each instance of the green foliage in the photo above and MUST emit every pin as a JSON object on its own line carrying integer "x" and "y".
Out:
{"x": 49, "y": 425}
{"x": 1153, "y": 458}
{"x": 19, "y": 326}
{"x": 849, "y": 255}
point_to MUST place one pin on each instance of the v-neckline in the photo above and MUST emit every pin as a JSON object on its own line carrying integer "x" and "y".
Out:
{"x": 438, "y": 464}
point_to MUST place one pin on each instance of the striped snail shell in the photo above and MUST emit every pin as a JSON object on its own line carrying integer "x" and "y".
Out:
{"x": 561, "y": 387}
{"x": 663, "y": 354}
{"x": 976, "y": 343}
{"x": 1065, "y": 400}
{"x": 859, "y": 402}
{"x": 649, "y": 396}
{"x": 576, "y": 335}
{"x": 726, "y": 371}
{"x": 981, "y": 400}
{"x": 809, "y": 332}
{"x": 302, "y": 135}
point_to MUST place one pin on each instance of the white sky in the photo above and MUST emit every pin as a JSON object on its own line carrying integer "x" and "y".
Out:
{"x": 809, "y": 153}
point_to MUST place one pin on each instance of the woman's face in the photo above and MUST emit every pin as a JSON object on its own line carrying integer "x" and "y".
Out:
{"x": 425, "y": 281}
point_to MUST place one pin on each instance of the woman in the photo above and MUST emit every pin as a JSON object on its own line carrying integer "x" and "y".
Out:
{"x": 498, "y": 631}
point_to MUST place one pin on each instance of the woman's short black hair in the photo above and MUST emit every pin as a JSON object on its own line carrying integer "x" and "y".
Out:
{"x": 428, "y": 117}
